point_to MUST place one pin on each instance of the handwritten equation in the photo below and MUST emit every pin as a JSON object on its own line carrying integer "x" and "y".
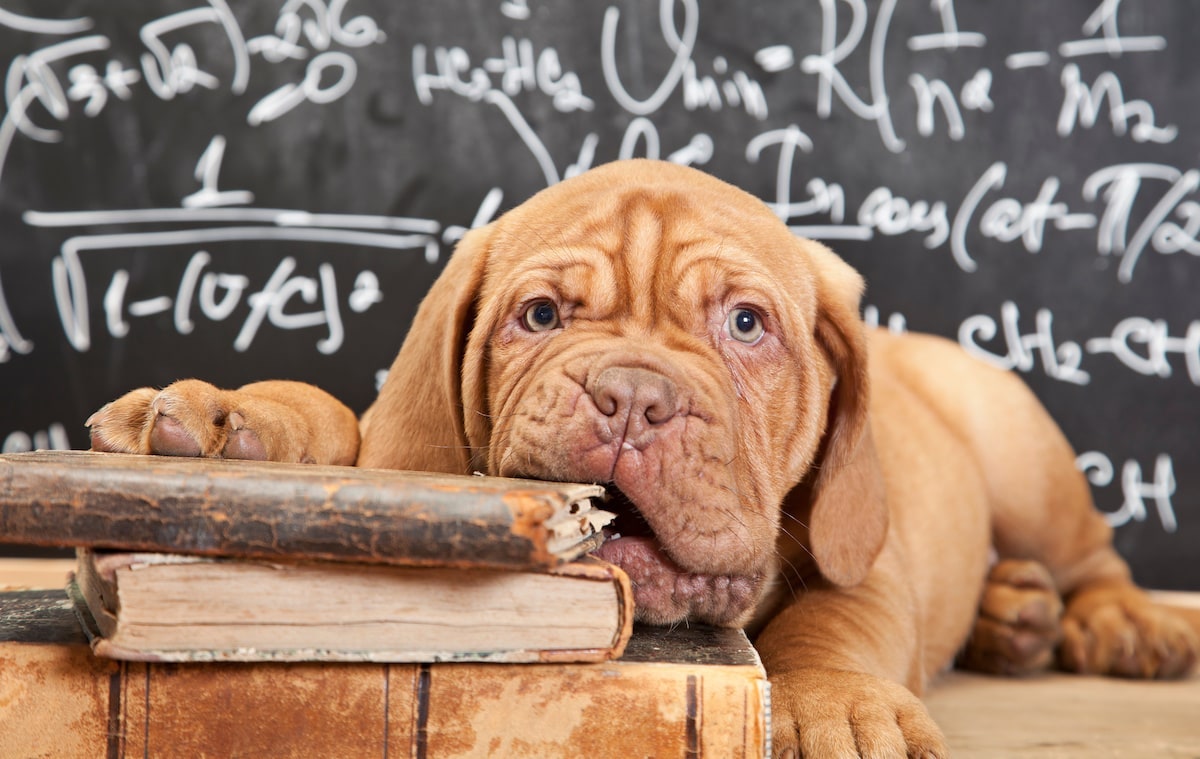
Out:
{"x": 172, "y": 66}
{"x": 1149, "y": 347}
{"x": 1045, "y": 172}
{"x": 215, "y": 295}
{"x": 1137, "y": 486}
{"x": 48, "y": 85}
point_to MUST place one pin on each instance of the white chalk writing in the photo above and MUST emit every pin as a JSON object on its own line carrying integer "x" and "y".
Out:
{"x": 11, "y": 340}
{"x": 170, "y": 66}
{"x": 1082, "y": 104}
{"x": 1143, "y": 345}
{"x": 1135, "y": 490}
{"x": 1022, "y": 350}
{"x": 724, "y": 87}
{"x": 330, "y": 73}
{"x": 70, "y": 282}
{"x": 1152, "y": 358}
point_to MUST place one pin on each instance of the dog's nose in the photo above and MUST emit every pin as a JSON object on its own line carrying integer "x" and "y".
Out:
{"x": 634, "y": 394}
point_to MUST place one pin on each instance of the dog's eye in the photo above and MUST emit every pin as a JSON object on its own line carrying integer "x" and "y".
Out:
{"x": 745, "y": 325}
{"x": 541, "y": 316}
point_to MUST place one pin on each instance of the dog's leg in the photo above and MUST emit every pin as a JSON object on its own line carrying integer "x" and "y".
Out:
{"x": 1018, "y": 629}
{"x": 1043, "y": 510}
{"x": 269, "y": 421}
{"x": 838, "y": 660}
{"x": 1110, "y": 626}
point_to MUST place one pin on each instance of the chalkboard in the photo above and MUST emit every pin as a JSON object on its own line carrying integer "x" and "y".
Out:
{"x": 243, "y": 190}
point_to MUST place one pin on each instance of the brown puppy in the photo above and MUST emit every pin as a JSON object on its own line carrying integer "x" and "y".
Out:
{"x": 652, "y": 328}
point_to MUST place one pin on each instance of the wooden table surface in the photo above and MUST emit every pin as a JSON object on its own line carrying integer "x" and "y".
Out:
{"x": 18, "y": 574}
{"x": 1054, "y": 716}
{"x": 1062, "y": 716}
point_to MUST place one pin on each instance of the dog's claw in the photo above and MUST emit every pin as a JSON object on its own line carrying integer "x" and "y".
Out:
{"x": 119, "y": 426}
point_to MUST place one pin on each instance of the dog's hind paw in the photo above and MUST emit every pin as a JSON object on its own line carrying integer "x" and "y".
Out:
{"x": 1018, "y": 628}
{"x": 1115, "y": 629}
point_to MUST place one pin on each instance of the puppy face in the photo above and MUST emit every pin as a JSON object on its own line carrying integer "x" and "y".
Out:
{"x": 654, "y": 333}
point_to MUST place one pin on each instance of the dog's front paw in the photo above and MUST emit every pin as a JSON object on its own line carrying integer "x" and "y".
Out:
{"x": 1115, "y": 629}
{"x": 1017, "y": 630}
{"x": 187, "y": 418}
{"x": 265, "y": 421}
{"x": 821, "y": 713}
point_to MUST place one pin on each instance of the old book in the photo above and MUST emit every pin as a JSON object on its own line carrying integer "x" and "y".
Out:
{"x": 170, "y": 607}
{"x": 685, "y": 692}
{"x": 279, "y": 511}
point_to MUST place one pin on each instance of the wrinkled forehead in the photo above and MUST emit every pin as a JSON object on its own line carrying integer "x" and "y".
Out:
{"x": 648, "y": 218}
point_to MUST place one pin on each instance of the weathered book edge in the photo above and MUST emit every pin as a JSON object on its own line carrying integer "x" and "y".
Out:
{"x": 271, "y": 511}
{"x": 83, "y": 613}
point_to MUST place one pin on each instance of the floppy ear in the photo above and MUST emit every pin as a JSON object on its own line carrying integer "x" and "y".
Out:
{"x": 849, "y": 517}
{"x": 417, "y": 422}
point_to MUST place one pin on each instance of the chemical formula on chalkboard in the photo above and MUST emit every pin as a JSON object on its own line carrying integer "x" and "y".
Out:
{"x": 243, "y": 190}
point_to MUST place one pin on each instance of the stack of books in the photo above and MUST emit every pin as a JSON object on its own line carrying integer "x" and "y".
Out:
{"x": 225, "y": 592}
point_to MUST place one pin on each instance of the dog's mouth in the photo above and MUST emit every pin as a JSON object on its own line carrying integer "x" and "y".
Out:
{"x": 668, "y": 585}
{"x": 629, "y": 540}
{"x": 665, "y": 592}
{"x": 629, "y": 521}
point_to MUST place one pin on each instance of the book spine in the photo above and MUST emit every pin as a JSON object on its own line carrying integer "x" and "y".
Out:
{"x": 58, "y": 700}
{"x": 276, "y": 511}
